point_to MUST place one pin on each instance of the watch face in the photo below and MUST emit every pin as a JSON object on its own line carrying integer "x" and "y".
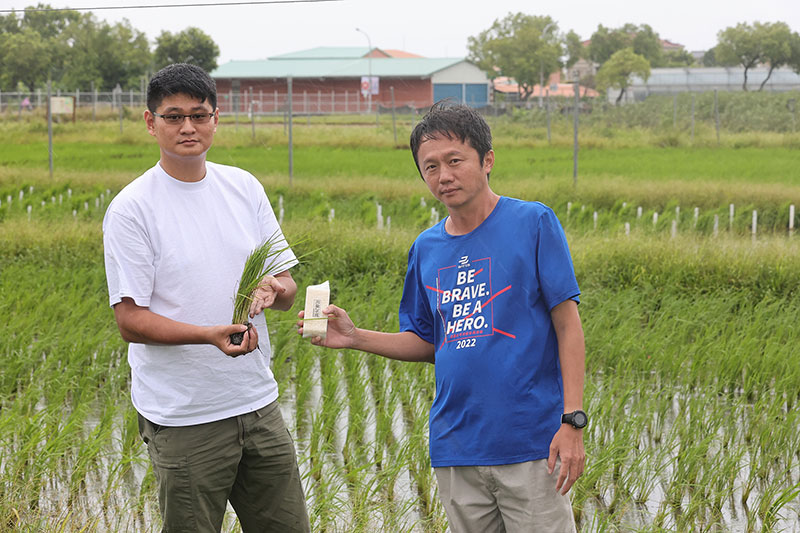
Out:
{"x": 579, "y": 419}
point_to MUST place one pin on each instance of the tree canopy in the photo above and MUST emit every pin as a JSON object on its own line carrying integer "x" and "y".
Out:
{"x": 188, "y": 46}
{"x": 769, "y": 43}
{"x": 617, "y": 72}
{"x": 643, "y": 40}
{"x": 524, "y": 47}
{"x": 76, "y": 50}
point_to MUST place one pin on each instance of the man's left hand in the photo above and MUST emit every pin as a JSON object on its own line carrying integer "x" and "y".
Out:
{"x": 567, "y": 445}
{"x": 265, "y": 294}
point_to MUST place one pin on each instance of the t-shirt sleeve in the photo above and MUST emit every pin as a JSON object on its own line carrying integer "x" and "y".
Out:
{"x": 554, "y": 263}
{"x": 415, "y": 312}
{"x": 129, "y": 260}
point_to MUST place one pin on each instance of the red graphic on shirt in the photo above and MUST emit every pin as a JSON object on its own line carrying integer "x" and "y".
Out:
{"x": 465, "y": 301}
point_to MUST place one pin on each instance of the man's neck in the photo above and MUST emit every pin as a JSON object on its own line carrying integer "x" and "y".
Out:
{"x": 188, "y": 170}
{"x": 466, "y": 218}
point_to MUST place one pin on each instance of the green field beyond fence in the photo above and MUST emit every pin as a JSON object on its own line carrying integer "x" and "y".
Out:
{"x": 693, "y": 381}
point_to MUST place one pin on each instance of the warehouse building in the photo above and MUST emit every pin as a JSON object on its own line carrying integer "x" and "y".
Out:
{"x": 347, "y": 80}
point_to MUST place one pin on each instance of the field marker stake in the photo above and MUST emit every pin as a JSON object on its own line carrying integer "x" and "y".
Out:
{"x": 791, "y": 218}
{"x": 730, "y": 217}
{"x": 627, "y": 228}
{"x": 755, "y": 223}
{"x": 655, "y": 218}
{"x": 639, "y": 212}
{"x": 674, "y": 228}
{"x": 594, "y": 219}
{"x": 696, "y": 215}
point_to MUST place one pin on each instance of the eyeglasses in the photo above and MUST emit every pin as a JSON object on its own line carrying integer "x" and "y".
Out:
{"x": 176, "y": 118}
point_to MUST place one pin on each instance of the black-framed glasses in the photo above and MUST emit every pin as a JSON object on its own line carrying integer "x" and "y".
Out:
{"x": 176, "y": 118}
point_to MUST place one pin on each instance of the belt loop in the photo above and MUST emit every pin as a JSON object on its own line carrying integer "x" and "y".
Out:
{"x": 241, "y": 430}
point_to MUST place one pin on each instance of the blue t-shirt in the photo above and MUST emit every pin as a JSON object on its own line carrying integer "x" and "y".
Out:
{"x": 484, "y": 300}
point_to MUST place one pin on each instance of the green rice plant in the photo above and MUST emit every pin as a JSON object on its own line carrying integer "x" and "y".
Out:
{"x": 262, "y": 261}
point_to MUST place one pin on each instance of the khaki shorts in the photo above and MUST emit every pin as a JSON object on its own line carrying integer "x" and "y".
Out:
{"x": 511, "y": 498}
{"x": 248, "y": 460}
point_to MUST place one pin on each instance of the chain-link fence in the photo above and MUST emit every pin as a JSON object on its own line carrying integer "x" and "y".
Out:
{"x": 728, "y": 111}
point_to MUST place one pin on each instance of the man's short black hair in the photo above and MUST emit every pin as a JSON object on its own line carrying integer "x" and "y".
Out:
{"x": 451, "y": 120}
{"x": 181, "y": 78}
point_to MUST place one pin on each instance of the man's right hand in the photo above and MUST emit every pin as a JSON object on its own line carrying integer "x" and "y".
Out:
{"x": 221, "y": 338}
{"x": 341, "y": 330}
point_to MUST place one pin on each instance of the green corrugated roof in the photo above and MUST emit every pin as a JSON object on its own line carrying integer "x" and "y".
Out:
{"x": 334, "y": 68}
{"x": 326, "y": 52}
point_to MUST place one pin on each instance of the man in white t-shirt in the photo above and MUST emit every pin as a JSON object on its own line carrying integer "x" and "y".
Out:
{"x": 175, "y": 240}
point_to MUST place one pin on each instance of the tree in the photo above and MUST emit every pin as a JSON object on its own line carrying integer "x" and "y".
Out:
{"x": 104, "y": 54}
{"x": 575, "y": 49}
{"x": 645, "y": 42}
{"x": 770, "y": 43}
{"x": 710, "y": 57}
{"x": 617, "y": 72}
{"x": 524, "y": 47}
{"x": 776, "y": 43}
{"x": 25, "y": 59}
{"x": 795, "y": 62}
{"x": 677, "y": 58}
{"x": 191, "y": 45}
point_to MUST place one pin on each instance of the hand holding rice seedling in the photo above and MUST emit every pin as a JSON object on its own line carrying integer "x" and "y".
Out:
{"x": 258, "y": 287}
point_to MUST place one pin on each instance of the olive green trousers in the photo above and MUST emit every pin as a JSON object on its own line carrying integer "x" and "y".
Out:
{"x": 248, "y": 460}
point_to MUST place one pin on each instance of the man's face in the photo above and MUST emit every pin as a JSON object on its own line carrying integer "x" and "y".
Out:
{"x": 453, "y": 171}
{"x": 187, "y": 139}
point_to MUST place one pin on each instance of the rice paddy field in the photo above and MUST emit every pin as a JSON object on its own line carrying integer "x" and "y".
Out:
{"x": 689, "y": 310}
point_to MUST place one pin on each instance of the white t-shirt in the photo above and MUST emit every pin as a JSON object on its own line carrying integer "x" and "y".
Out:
{"x": 178, "y": 248}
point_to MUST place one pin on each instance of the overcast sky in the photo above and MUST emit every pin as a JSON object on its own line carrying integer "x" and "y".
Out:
{"x": 432, "y": 28}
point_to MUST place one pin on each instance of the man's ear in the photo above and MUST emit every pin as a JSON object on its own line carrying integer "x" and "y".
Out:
{"x": 150, "y": 122}
{"x": 488, "y": 161}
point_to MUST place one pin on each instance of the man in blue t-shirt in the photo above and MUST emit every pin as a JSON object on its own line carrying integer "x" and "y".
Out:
{"x": 490, "y": 298}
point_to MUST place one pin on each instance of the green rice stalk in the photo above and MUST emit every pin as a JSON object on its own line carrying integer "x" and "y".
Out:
{"x": 263, "y": 261}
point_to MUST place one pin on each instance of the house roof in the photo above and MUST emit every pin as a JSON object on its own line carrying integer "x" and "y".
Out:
{"x": 326, "y": 52}
{"x": 343, "y": 52}
{"x": 400, "y": 53}
{"x": 421, "y": 67}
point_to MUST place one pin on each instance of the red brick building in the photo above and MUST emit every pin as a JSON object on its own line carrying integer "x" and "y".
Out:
{"x": 326, "y": 80}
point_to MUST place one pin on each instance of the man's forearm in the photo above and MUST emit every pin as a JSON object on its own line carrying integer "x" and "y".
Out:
{"x": 143, "y": 326}
{"x": 571, "y": 353}
{"x": 403, "y": 346}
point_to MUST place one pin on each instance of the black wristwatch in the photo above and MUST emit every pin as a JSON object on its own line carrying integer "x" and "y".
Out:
{"x": 576, "y": 419}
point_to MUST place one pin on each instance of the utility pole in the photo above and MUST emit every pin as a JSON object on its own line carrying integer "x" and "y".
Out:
{"x": 541, "y": 64}
{"x": 369, "y": 69}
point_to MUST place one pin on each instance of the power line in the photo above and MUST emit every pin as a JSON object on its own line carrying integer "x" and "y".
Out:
{"x": 204, "y": 4}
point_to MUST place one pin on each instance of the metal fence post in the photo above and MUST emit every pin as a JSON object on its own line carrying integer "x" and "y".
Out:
{"x": 716, "y": 114}
{"x": 577, "y": 91}
{"x": 289, "y": 113}
{"x": 50, "y": 126}
{"x": 394, "y": 118}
